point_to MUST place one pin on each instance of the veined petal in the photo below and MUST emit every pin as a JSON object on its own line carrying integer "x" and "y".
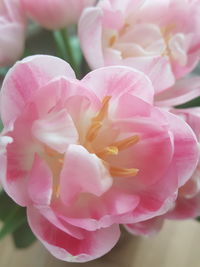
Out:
{"x": 68, "y": 248}
{"x": 24, "y": 79}
{"x": 116, "y": 80}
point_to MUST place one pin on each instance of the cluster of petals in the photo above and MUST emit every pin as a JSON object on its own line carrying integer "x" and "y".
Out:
{"x": 12, "y": 31}
{"x": 85, "y": 156}
{"x": 55, "y": 14}
{"x": 187, "y": 204}
{"x": 140, "y": 33}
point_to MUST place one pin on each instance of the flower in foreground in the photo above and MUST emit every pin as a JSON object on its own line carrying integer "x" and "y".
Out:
{"x": 187, "y": 204}
{"x": 139, "y": 33}
{"x": 55, "y": 14}
{"x": 85, "y": 156}
{"x": 12, "y": 31}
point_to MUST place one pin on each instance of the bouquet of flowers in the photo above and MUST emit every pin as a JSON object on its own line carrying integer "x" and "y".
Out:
{"x": 101, "y": 124}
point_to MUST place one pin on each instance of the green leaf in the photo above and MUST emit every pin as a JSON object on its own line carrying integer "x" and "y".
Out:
{"x": 15, "y": 218}
{"x": 1, "y": 125}
{"x": 3, "y": 71}
{"x": 6, "y": 205}
{"x": 193, "y": 103}
{"x": 11, "y": 215}
{"x": 23, "y": 236}
{"x": 197, "y": 219}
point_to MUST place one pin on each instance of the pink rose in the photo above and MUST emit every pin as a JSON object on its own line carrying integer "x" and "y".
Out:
{"x": 85, "y": 156}
{"x": 12, "y": 31}
{"x": 187, "y": 205}
{"x": 55, "y": 14}
{"x": 138, "y": 33}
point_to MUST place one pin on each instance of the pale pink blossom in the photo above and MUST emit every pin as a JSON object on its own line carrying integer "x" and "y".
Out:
{"x": 12, "y": 31}
{"x": 138, "y": 33}
{"x": 85, "y": 156}
{"x": 187, "y": 204}
{"x": 55, "y": 14}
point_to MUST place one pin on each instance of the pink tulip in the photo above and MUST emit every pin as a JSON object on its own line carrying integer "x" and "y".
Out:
{"x": 187, "y": 205}
{"x": 85, "y": 156}
{"x": 138, "y": 33}
{"x": 55, "y": 14}
{"x": 12, "y": 32}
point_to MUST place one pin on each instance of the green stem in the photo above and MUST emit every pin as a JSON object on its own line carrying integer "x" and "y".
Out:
{"x": 60, "y": 46}
{"x": 70, "y": 52}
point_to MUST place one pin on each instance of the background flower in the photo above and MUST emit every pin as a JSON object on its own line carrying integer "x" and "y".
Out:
{"x": 140, "y": 33}
{"x": 55, "y": 14}
{"x": 12, "y": 31}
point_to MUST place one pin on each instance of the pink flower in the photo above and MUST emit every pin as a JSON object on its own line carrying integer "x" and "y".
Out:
{"x": 55, "y": 14}
{"x": 187, "y": 205}
{"x": 85, "y": 156}
{"x": 138, "y": 33}
{"x": 12, "y": 31}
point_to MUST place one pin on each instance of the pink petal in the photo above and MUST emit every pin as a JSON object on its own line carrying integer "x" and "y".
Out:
{"x": 114, "y": 205}
{"x": 56, "y": 130}
{"x": 66, "y": 247}
{"x": 17, "y": 191}
{"x": 24, "y": 79}
{"x": 12, "y": 35}
{"x": 186, "y": 152}
{"x": 185, "y": 208}
{"x": 117, "y": 80}
{"x": 82, "y": 172}
{"x": 146, "y": 228}
{"x": 55, "y": 95}
{"x": 183, "y": 91}
{"x": 90, "y": 34}
{"x": 40, "y": 183}
{"x": 130, "y": 106}
{"x": 157, "y": 68}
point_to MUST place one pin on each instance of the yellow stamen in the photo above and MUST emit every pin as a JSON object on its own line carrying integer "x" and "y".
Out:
{"x": 50, "y": 152}
{"x": 97, "y": 120}
{"x": 123, "y": 172}
{"x": 112, "y": 40}
{"x": 61, "y": 161}
{"x": 58, "y": 191}
{"x": 109, "y": 150}
{"x": 126, "y": 143}
{"x": 104, "y": 109}
{"x": 124, "y": 29}
{"x": 93, "y": 130}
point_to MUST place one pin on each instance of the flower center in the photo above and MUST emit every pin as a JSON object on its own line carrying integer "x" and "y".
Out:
{"x": 114, "y": 148}
{"x": 55, "y": 159}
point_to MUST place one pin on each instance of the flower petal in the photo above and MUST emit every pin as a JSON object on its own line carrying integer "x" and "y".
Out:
{"x": 66, "y": 247}
{"x": 116, "y": 80}
{"x": 40, "y": 182}
{"x": 183, "y": 91}
{"x": 146, "y": 228}
{"x": 24, "y": 79}
{"x": 56, "y": 130}
{"x": 90, "y": 34}
{"x": 82, "y": 172}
